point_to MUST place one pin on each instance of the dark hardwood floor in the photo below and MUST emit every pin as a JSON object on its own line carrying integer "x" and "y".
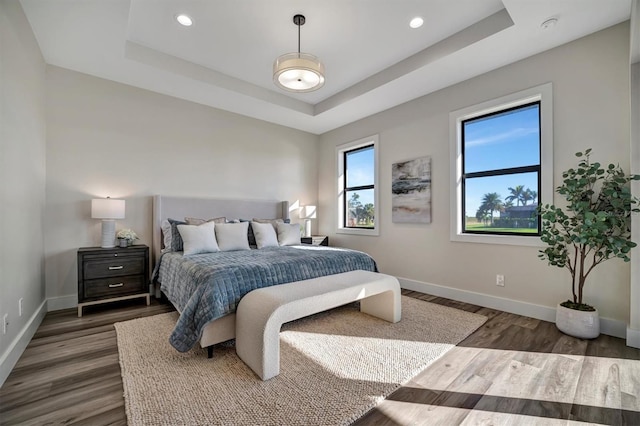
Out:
{"x": 70, "y": 372}
{"x": 512, "y": 370}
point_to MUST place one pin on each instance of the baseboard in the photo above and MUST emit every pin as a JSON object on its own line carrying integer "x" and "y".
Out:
{"x": 608, "y": 326}
{"x": 62, "y": 302}
{"x": 11, "y": 356}
{"x": 633, "y": 337}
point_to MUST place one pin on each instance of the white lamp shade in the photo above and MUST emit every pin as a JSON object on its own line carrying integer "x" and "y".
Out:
{"x": 107, "y": 208}
{"x": 298, "y": 72}
{"x": 307, "y": 212}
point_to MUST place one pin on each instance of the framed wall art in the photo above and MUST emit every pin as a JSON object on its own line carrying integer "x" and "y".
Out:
{"x": 411, "y": 191}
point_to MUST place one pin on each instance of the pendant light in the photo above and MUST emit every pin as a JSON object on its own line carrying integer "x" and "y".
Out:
{"x": 298, "y": 72}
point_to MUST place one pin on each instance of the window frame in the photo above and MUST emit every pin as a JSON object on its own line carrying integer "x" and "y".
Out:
{"x": 542, "y": 94}
{"x": 499, "y": 172}
{"x": 341, "y": 154}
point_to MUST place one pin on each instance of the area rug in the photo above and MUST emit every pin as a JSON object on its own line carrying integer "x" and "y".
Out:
{"x": 334, "y": 367}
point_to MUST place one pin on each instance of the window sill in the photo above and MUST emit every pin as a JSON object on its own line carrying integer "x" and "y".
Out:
{"x": 512, "y": 240}
{"x": 356, "y": 231}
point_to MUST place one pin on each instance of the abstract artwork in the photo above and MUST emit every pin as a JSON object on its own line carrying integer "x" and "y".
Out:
{"x": 411, "y": 191}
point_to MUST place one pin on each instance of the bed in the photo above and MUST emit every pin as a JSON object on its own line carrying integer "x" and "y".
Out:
{"x": 206, "y": 288}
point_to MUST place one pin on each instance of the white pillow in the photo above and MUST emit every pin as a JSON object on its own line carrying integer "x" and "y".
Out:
{"x": 265, "y": 234}
{"x": 198, "y": 238}
{"x": 232, "y": 236}
{"x": 288, "y": 234}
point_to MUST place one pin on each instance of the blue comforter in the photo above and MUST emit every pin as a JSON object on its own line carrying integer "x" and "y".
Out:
{"x": 208, "y": 286}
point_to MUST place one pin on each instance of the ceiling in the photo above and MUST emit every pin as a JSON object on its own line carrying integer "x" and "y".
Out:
{"x": 373, "y": 59}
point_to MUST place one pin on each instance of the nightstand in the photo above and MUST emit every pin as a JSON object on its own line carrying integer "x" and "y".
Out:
{"x": 316, "y": 240}
{"x": 111, "y": 274}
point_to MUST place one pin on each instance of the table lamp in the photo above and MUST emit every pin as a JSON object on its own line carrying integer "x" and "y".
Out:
{"x": 307, "y": 213}
{"x": 108, "y": 210}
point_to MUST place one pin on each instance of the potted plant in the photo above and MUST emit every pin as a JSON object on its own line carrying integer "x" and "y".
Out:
{"x": 592, "y": 228}
{"x": 126, "y": 237}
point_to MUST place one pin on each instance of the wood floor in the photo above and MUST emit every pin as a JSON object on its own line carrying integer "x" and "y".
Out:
{"x": 512, "y": 370}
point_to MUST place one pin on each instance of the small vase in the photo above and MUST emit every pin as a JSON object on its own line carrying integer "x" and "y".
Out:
{"x": 122, "y": 242}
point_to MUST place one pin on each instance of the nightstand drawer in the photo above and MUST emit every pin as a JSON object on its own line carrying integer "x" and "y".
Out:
{"x": 113, "y": 267}
{"x": 114, "y": 287}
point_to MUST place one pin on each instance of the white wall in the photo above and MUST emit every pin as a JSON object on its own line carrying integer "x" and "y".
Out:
{"x": 109, "y": 139}
{"x": 22, "y": 182}
{"x": 633, "y": 331}
{"x": 591, "y": 109}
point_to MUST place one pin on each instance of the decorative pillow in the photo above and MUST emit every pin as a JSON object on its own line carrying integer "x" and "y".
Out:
{"x": 265, "y": 235}
{"x": 288, "y": 234}
{"x": 165, "y": 226}
{"x": 271, "y": 221}
{"x": 250, "y": 235}
{"x": 196, "y": 221}
{"x": 232, "y": 236}
{"x": 252, "y": 238}
{"x": 198, "y": 238}
{"x": 176, "y": 239}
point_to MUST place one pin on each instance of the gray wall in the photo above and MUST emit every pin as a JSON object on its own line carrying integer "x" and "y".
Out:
{"x": 22, "y": 181}
{"x": 590, "y": 79}
{"x": 109, "y": 139}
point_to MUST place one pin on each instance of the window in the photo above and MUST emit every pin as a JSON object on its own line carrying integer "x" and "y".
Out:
{"x": 503, "y": 168}
{"x": 357, "y": 187}
{"x": 501, "y": 150}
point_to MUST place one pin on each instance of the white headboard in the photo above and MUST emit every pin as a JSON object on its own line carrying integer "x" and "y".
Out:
{"x": 206, "y": 208}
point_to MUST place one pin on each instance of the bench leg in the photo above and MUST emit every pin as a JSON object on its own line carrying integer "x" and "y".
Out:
{"x": 259, "y": 347}
{"x": 386, "y": 305}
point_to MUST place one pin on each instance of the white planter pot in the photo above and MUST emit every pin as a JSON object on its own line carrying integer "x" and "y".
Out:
{"x": 582, "y": 324}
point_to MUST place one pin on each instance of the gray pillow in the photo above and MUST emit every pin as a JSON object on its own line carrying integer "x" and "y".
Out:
{"x": 176, "y": 239}
{"x": 196, "y": 221}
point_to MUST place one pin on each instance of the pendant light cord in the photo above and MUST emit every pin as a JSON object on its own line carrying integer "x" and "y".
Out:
{"x": 298, "y": 39}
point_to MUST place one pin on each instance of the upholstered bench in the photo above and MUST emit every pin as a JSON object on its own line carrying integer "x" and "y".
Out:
{"x": 261, "y": 312}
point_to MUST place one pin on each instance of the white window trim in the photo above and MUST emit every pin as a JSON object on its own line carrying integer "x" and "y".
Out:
{"x": 542, "y": 93}
{"x": 340, "y": 229}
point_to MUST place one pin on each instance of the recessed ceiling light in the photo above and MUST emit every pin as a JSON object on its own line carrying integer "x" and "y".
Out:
{"x": 416, "y": 22}
{"x": 184, "y": 20}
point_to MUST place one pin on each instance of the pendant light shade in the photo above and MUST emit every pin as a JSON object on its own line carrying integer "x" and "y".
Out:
{"x": 298, "y": 72}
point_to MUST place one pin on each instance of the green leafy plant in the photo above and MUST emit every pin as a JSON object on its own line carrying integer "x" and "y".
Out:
{"x": 595, "y": 224}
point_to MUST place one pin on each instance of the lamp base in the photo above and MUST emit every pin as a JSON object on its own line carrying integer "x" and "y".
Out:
{"x": 307, "y": 227}
{"x": 108, "y": 233}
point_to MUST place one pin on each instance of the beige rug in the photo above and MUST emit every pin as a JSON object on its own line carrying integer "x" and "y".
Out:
{"x": 334, "y": 367}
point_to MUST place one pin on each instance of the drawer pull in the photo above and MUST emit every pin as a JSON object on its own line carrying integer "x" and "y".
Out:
{"x": 111, "y": 268}
{"x": 116, "y": 285}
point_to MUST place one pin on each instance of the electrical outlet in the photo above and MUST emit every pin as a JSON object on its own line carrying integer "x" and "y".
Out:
{"x": 500, "y": 280}
{"x": 20, "y": 307}
{"x": 5, "y": 323}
